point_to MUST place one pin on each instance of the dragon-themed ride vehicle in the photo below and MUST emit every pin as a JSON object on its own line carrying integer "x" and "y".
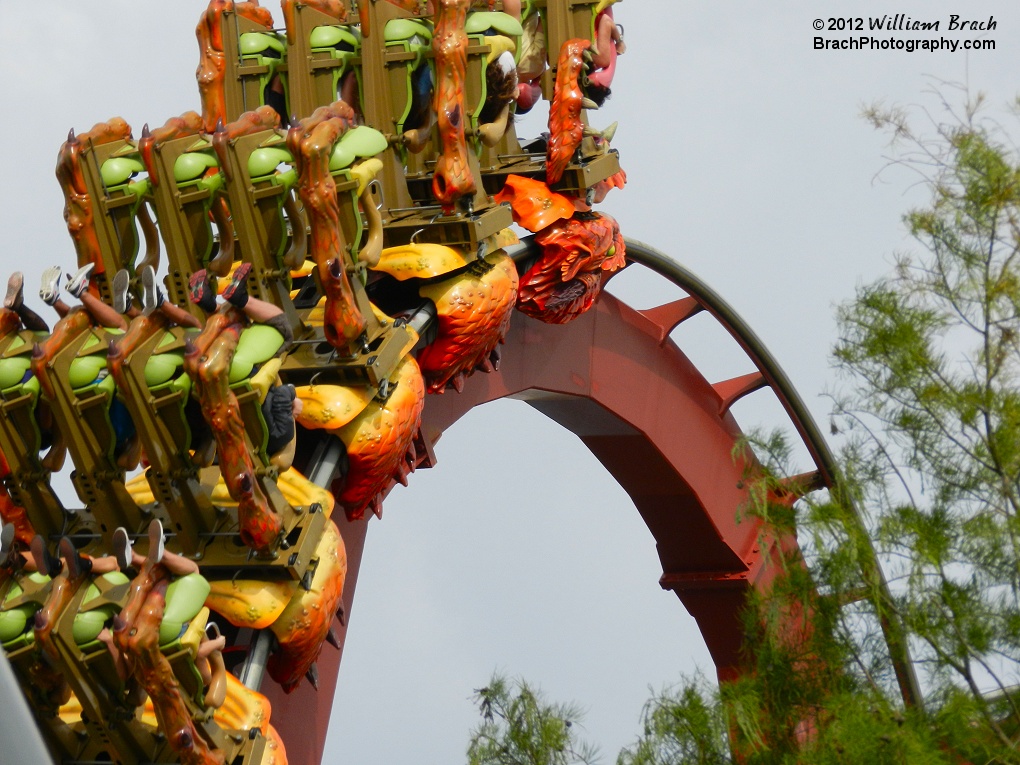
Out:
{"x": 268, "y": 292}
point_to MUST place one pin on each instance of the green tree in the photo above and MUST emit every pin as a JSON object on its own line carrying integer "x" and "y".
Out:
{"x": 928, "y": 419}
{"x": 519, "y": 727}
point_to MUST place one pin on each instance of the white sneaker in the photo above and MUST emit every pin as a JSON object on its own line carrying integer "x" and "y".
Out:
{"x": 77, "y": 284}
{"x": 49, "y": 290}
{"x": 121, "y": 282}
{"x": 151, "y": 295}
{"x": 155, "y": 553}
{"x": 122, "y": 548}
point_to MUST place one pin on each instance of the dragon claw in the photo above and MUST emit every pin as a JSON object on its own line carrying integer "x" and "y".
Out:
{"x": 332, "y": 639}
{"x": 313, "y": 676}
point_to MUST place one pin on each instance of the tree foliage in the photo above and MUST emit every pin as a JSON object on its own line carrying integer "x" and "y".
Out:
{"x": 928, "y": 419}
{"x": 930, "y": 461}
{"x": 520, "y": 728}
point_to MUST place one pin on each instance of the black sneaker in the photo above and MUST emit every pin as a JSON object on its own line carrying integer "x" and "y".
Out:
{"x": 236, "y": 292}
{"x": 200, "y": 291}
{"x": 7, "y": 536}
{"x": 45, "y": 564}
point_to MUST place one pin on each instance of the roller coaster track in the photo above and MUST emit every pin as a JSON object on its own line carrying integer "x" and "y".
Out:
{"x": 609, "y": 376}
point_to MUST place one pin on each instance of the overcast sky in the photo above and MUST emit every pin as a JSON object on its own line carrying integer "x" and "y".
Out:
{"x": 747, "y": 161}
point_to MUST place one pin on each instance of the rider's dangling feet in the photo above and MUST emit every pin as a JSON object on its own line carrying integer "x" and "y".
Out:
{"x": 155, "y": 553}
{"x": 201, "y": 292}
{"x": 49, "y": 290}
{"x": 122, "y": 548}
{"x": 79, "y": 281}
{"x": 7, "y": 536}
{"x": 15, "y": 291}
{"x": 77, "y": 565}
{"x": 121, "y": 296}
{"x": 45, "y": 563}
{"x": 152, "y": 295}
{"x": 236, "y": 292}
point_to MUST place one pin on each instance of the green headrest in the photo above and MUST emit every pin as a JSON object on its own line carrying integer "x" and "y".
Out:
{"x": 331, "y": 36}
{"x": 118, "y": 170}
{"x": 161, "y": 367}
{"x": 184, "y": 599}
{"x": 265, "y": 161}
{"x": 85, "y": 369}
{"x": 257, "y": 344}
{"x": 398, "y": 30}
{"x": 482, "y": 21}
{"x": 12, "y": 370}
{"x": 192, "y": 165}
{"x": 253, "y": 43}
{"x": 359, "y": 143}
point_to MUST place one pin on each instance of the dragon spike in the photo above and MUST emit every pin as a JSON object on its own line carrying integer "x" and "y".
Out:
{"x": 220, "y": 127}
{"x": 376, "y": 505}
{"x": 400, "y": 473}
{"x": 587, "y": 55}
{"x": 587, "y": 103}
{"x": 113, "y": 350}
{"x": 412, "y": 455}
{"x": 71, "y": 137}
{"x": 145, "y": 130}
{"x": 190, "y": 349}
{"x": 332, "y": 639}
{"x": 457, "y": 381}
{"x": 341, "y": 615}
{"x": 313, "y": 676}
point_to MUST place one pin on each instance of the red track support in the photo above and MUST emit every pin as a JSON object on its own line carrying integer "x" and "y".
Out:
{"x": 662, "y": 430}
{"x": 606, "y": 378}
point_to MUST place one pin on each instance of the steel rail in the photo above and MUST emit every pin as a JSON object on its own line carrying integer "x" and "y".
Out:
{"x": 800, "y": 416}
